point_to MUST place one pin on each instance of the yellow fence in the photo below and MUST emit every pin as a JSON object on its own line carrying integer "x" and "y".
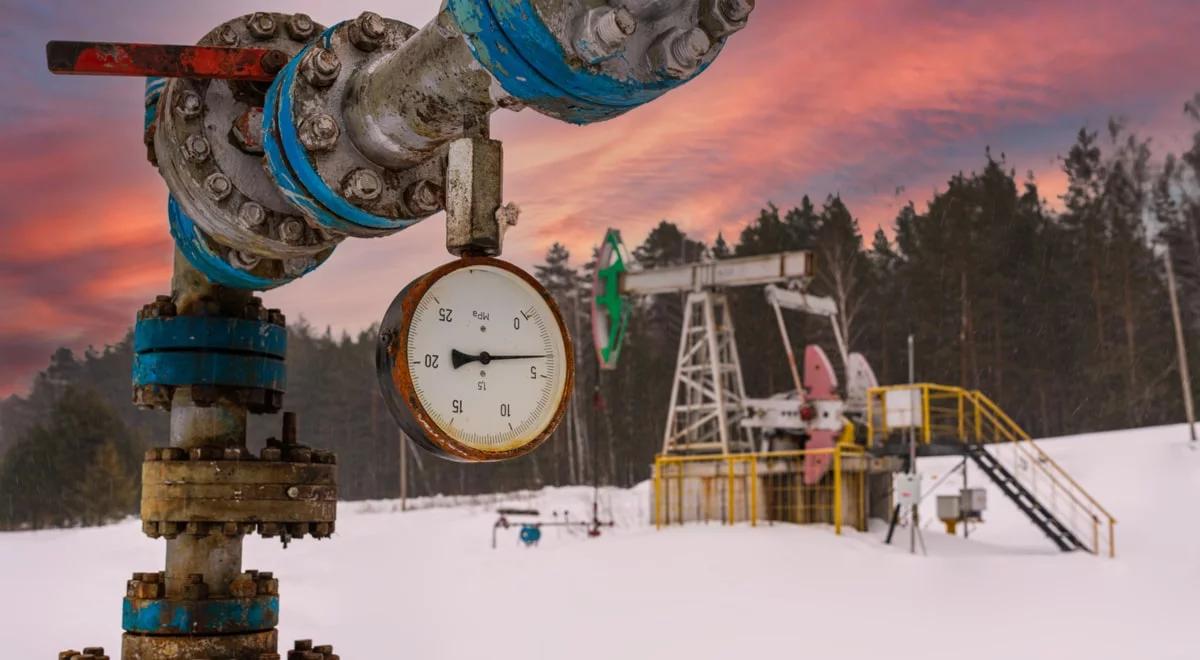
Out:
{"x": 754, "y": 486}
{"x": 943, "y": 413}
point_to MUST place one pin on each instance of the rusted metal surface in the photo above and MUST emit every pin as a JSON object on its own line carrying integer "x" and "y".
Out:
{"x": 95, "y": 58}
{"x": 474, "y": 185}
{"x": 252, "y": 605}
{"x": 250, "y": 491}
{"x": 244, "y": 646}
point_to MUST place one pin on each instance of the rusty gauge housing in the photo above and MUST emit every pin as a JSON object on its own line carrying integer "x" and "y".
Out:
{"x": 475, "y": 362}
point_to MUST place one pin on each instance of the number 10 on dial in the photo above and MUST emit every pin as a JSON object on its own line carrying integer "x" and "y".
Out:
{"x": 474, "y": 361}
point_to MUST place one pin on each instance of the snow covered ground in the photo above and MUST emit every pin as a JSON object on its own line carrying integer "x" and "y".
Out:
{"x": 426, "y": 584}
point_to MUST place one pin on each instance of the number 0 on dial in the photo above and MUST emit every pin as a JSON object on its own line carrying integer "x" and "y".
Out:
{"x": 474, "y": 361}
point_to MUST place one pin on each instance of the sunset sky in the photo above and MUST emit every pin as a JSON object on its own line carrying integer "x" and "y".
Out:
{"x": 878, "y": 101}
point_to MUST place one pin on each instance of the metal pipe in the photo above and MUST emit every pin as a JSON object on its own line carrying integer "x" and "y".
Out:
{"x": 402, "y": 106}
{"x": 217, "y": 557}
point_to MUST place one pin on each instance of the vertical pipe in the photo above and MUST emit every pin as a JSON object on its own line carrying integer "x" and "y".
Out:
{"x": 1185, "y": 380}
{"x": 753, "y": 460}
{"x": 658, "y": 492}
{"x": 223, "y": 424}
{"x": 729, "y": 488}
{"x": 837, "y": 490}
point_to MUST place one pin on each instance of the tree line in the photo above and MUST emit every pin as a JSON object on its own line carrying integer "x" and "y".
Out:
{"x": 1058, "y": 311}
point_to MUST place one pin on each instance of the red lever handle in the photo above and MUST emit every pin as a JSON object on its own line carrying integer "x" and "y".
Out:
{"x": 90, "y": 58}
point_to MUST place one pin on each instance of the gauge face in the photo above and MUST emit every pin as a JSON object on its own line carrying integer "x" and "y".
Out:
{"x": 480, "y": 361}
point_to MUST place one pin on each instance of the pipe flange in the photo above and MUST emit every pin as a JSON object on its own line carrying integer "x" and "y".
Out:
{"x": 208, "y": 145}
{"x": 584, "y": 63}
{"x": 234, "y": 358}
{"x": 252, "y": 605}
{"x": 290, "y": 492}
{"x": 236, "y": 268}
{"x": 311, "y": 157}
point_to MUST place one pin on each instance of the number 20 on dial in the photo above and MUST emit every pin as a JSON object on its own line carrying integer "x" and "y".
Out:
{"x": 474, "y": 361}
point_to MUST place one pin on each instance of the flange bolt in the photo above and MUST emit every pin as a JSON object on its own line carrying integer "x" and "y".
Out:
{"x": 300, "y": 27}
{"x": 218, "y": 186}
{"x": 227, "y": 36}
{"x": 189, "y": 105}
{"x": 196, "y": 148}
{"x": 319, "y": 132}
{"x": 261, "y": 25}
{"x": 362, "y": 185}
{"x": 367, "y": 31}
{"x": 251, "y": 215}
{"x": 320, "y": 67}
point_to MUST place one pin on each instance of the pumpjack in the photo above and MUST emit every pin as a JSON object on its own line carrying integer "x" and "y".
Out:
{"x": 709, "y": 410}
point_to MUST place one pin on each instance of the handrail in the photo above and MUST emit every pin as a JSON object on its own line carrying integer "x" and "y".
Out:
{"x": 977, "y": 419}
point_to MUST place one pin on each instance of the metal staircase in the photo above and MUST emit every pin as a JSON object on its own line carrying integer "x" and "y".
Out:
{"x": 955, "y": 420}
{"x": 1025, "y": 501}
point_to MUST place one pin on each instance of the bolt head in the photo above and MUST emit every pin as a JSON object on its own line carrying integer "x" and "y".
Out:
{"x": 372, "y": 25}
{"x": 368, "y": 31}
{"x": 227, "y": 36}
{"x": 251, "y": 215}
{"x": 243, "y": 261}
{"x": 196, "y": 148}
{"x": 423, "y": 197}
{"x": 320, "y": 67}
{"x": 721, "y": 18}
{"x": 362, "y": 185}
{"x": 291, "y": 230}
{"x": 319, "y": 132}
{"x": 261, "y": 25}
{"x": 246, "y": 132}
{"x": 188, "y": 105}
{"x": 218, "y": 186}
{"x": 300, "y": 27}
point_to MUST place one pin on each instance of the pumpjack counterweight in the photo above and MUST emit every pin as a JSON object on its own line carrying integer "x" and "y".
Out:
{"x": 278, "y": 138}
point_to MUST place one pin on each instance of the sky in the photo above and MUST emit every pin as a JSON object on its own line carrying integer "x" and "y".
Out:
{"x": 878, "y": 101}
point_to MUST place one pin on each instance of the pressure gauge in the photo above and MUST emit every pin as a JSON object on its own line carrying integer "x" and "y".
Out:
{"x": 474, "y": 361}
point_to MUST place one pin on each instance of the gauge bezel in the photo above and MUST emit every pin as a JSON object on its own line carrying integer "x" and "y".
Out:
{"x": 398, "y": 388}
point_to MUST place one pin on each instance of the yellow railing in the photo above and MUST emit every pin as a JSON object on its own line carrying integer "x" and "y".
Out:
{"x": 942, "y": 412}
{"x": 755, "y": 486}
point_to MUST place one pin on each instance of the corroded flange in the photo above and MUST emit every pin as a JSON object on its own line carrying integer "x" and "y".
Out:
{"x": 242, "y": 646}
{"x": 239, "y": 358}
{"x": 312, "y": 158}
{"x": 209, "y": 490}
{"x": 252, "y": 605}
{"x": 208, "y": 145}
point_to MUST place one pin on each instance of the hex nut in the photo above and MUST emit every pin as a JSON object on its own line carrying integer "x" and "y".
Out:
{"x": 297, "y": 266}
{"x": 721, "y": 18}
{"x": 367, "y": 31}
{"x": 320, "y": 67}
{"x": 228, "y": 36}
{"x": 196, "y": 148}
{"x": 246, "y": 132}
{"x": 677, "y": 53}
{"x": 251, "y": 215}
{"x": 261, "y": 25}
{"x": 603, "y": 32}
{"x": 362, "y": 185}
{"x": 300, "y": 27}
{"x": 218, "y": 186}
{"x": 291, "y": 230}
{"x": 188, "y": 105}
{"x": 319, "y": 132}
{"x": 423, "y": 197}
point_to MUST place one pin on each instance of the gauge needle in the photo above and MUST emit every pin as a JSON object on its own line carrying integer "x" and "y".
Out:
{"x": 458, "y": 358}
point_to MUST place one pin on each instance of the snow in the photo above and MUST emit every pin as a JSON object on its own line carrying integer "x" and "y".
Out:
{"x": 426, "y": 584}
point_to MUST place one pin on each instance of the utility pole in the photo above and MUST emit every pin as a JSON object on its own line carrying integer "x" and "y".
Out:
{"x": 1180, "y": 346}
{"x": 912, "y": 445}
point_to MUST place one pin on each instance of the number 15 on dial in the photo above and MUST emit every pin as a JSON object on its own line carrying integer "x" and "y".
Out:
{"x": 474, "y": 361}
